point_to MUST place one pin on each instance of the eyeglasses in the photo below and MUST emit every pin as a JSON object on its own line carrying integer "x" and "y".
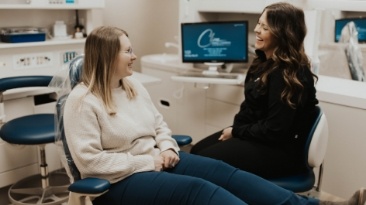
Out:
{"x": 129, "y": 51}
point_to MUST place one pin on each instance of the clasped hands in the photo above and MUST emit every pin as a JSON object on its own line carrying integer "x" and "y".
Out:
{"x": 166, "y": 159}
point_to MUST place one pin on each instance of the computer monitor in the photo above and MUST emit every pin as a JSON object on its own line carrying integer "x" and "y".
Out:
{"x": 215, "y": 43}
{"x": 360, "y": 26}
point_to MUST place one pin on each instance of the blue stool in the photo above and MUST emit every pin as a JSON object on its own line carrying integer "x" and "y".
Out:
{"x": 35, "y": 129}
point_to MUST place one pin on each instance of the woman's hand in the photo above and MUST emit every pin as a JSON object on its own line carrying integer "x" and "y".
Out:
{"x": 158, "y": 161}
{"x": 170, "y": 158}
{"x": 226, "y": 134}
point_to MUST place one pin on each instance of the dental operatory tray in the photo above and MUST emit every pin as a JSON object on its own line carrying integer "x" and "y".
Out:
{"x": 211, "y": 78}
{"x": 22, "y": 34}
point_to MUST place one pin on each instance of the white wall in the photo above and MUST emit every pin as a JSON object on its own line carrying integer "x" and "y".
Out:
{"x": 149, "y": 23}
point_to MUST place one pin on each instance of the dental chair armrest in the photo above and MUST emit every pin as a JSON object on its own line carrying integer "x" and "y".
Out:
{"x": 90, "y": 186}
{"x": 182, "y": 139}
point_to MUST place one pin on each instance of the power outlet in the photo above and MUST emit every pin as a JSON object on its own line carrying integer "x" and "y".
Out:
{"x": 2, "y": 64}
{"x": 33, "y": 60}
{"x": 69, "y": 55}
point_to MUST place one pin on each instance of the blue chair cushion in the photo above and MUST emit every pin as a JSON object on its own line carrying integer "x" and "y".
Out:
{"x": 298, "y": 182}
{"x": 24, "y": 81}
{"x": 182, "y": 139}
{"x": 90, "y": 186}
{"x": 30, "y": 130}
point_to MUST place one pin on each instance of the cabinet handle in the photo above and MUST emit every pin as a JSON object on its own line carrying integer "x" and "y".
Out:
{"x": 164, "y": 103}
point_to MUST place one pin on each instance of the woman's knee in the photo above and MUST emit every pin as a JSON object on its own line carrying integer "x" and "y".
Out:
{"x": 204, "y": 192}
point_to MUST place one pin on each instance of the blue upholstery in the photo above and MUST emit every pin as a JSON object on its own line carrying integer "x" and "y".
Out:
{"x": 30, "y": 130}
{"x": 182, "y": 139}
{"x": 305, "y": 181}
{"x": 297, "y": 183}
{"x": 90, "y": 186}
{"x": 24, "y": 81}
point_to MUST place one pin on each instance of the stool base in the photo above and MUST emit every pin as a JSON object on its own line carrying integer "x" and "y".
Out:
{"x": 29, "y": 191}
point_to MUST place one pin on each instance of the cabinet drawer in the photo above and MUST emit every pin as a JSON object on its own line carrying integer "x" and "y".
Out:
{"x": 10, "y": 177}
{"x": 16, "y": 156}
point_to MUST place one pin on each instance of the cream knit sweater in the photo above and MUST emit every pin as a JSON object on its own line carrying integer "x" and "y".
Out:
{"x": 114, "y": 147}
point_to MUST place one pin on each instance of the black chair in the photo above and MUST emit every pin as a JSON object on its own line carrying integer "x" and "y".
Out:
{"x": 314, "y": 152}
{"x": 84, "y": 190}
{"x": 35, "y": 129}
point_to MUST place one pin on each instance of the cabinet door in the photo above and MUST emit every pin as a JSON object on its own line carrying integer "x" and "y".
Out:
{"x": 345, "y": 164}
{"x": 223, "y": 102}
{"x": 191, "y": 103}
{"x": 162, "y": 95}
{"x": 181, "y": 104}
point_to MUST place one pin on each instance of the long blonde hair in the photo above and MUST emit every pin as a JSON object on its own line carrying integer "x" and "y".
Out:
{"x": 101, "y": 49}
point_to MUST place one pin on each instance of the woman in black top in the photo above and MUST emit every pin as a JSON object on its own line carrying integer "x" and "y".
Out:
{"x": 267, "y": 136}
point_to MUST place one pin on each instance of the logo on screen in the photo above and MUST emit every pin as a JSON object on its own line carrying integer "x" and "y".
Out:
{"x": 207, "y": 38}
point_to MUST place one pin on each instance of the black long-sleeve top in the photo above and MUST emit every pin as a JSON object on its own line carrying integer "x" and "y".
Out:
{"x": 264, "y": 117}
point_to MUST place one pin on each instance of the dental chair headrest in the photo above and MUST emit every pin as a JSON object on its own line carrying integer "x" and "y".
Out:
{"x": 76, "y": 66}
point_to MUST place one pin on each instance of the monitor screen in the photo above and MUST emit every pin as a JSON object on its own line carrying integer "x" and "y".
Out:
{"x": 210, "y": 42}
{"x": 360, "y": 26}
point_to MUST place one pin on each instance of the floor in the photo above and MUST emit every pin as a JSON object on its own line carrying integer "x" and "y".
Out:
{"x": 4, "y": 197}
{"x": 324, "y": 196}
{"x": 56, "y": 178}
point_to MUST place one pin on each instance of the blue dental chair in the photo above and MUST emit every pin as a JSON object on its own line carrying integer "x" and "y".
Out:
{"x": 314, "y": 153}
{"x": 33, "y": 130}
{"x": 84, "y": 190}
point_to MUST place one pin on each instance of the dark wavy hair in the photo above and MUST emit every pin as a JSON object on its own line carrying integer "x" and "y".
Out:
{"x": 287, "y": 25}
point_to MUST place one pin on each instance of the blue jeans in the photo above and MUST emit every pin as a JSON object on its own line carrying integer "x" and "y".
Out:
{"x": 198, "y": 180}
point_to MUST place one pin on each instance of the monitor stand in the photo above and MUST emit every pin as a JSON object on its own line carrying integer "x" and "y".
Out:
{"x": 212, "y": 68}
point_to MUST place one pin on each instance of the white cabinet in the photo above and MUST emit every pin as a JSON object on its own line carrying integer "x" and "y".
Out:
{"x": 222, "y": 103}
{"x": 17, "y": 162}
{"x": 181, "y": 104}
{"x": 194, "y": 109}
{"x": 44, "y": 14}
{"x": 344, "y": 104}
{"x": 345, "y": 163}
